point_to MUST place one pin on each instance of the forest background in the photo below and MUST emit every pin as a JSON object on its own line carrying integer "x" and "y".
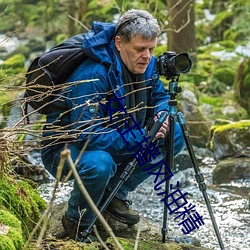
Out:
{"x": 214, "y": 33}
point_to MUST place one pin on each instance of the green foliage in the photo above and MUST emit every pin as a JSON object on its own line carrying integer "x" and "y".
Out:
{"x": 221, "y": 23}
{"x": 216, "y": 67}
{"x": 224, "y": 75}
{"x": 229, "y": 23}
{"x": 17, "y": 61}
{"x": 214, "y": 101}
{"x": 219, "y": 102}
{"x": 12, "y": 67}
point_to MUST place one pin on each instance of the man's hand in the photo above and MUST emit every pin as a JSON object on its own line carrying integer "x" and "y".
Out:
{"x": 164, "y": 128}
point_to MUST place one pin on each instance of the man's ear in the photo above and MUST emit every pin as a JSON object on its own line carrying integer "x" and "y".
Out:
{"x": 118, "y": 42}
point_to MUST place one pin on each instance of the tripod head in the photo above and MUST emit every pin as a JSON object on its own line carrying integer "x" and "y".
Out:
{"x": 174, "y": 89}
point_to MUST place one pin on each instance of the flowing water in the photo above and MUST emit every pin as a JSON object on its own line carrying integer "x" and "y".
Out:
{"x": 230, "y": 204}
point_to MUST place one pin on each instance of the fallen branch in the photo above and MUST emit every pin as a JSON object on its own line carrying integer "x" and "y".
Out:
{"x": 66, "y": 154}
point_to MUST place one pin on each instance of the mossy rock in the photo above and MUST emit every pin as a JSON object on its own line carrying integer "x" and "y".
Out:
{"x": 11, "y": 237}
{"x": 231, "y": 139}
{"x": 128, "y": 244}
{"x": 21, "y": 199}
{"x": 150, "y": 235}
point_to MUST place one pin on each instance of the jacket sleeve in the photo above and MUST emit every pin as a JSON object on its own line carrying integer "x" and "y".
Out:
{"x": 89, "y": 121}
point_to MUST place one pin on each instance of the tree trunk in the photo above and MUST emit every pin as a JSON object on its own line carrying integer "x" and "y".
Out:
{"x": 181, "y": 27}
{"x": 83, "y": 7}
{"x": 71, "y": 6}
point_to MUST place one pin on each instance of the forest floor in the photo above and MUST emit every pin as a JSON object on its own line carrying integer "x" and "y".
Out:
{"x": 149, "y": 237}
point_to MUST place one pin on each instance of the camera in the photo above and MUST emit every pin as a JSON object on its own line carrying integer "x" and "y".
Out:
{"x": 171, "y": 65}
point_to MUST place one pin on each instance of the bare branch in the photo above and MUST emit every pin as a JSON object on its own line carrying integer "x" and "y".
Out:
{"x": 66, "y": 154}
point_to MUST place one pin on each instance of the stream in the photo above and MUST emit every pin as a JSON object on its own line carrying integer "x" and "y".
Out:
{"x": 230, "y": 204}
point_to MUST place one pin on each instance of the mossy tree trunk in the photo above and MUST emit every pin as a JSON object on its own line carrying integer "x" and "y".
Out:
{"x": 242, "y": 85}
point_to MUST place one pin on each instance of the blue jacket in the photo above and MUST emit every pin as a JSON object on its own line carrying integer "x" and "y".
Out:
{"x": 86, "y": 118}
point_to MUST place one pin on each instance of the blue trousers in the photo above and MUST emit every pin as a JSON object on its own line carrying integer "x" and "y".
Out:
{"x": 99, "y": 171}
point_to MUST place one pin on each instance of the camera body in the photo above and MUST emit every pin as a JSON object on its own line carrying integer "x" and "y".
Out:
{"x": 171, "y": 65}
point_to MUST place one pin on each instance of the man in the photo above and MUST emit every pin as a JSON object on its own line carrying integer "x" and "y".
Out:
{"x": 124, "y": 90}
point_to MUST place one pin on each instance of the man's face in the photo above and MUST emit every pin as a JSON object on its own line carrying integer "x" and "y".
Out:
{"x": 137, "y": 53}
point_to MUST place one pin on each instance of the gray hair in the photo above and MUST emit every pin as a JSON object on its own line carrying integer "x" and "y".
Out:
{"x": 137, "y": 22}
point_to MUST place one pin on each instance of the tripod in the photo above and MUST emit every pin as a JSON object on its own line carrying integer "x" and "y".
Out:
{"x": 173, "y": 90}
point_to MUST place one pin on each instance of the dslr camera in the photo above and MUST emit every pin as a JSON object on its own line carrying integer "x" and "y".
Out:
{"x": 171, "y": 65}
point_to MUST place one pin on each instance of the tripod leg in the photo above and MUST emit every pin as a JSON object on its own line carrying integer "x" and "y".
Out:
{"x": 199, "y": 176}
{"x": 164, "y": 229}
{"x": 170, "y": 163}
{"x": 124, "y": 176}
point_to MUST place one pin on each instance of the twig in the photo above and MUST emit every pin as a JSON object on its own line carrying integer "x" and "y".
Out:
{"x": 137, "y": 236}
{"x": 77, "y": 21}
{"x": 99, "y": 238}
{"x": 66, "y": 154}
{"x": 45, "y": 217}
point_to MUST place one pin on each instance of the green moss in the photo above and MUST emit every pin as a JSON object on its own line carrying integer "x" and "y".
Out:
{"x": 212, "y": 100}
{"x": 16, "y": 61}
{"x": 239, "y": 128}
{"x": 21, "y": 199}
{"x": 13, "y": 71}
{"x": 9, "y": 219}
{"x": 6, "y": 243}
{"x": 236, "y": 125}
{"x": 225, "y": 75}
{"x": 13, "y": 239}
{"x": 16, "y": 237}
{"x": 128, "y": 244}
{"x": 228, "y": 45}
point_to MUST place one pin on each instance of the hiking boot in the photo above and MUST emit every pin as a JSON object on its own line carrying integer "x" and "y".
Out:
{"x": 75, "y": 231}
{"x": 121, "y": 211}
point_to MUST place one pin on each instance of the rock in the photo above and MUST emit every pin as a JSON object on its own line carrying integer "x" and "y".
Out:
{"x": 232, "y": 139}
{"x": 149, "y": 238}
{"x": 231, "y": 169}
{"x": 197, "y": 125}
{"x": 188, "y": 95}
{"x": 183, "y": 161}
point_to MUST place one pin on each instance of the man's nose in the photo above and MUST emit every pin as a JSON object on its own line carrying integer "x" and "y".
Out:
{"x": 146, "y": 54}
